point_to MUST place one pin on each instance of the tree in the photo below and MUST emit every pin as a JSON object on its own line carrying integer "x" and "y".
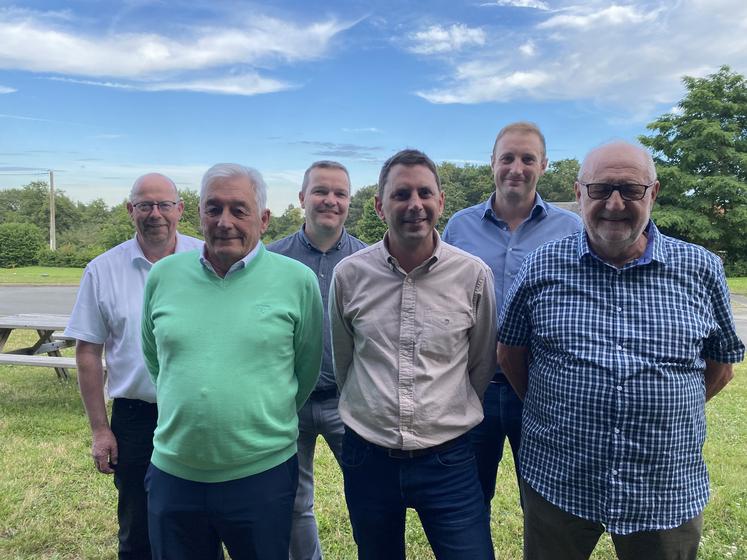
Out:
{"x": 701, "y": 154}
{"x": 191, "y": 217}
{"x": 556, "y": 185}
{"x": 371, "y": 228}
{"x": 30, "y": 203}
{"x": 19, "y": 244}
{"x": 357, "y": 201}
{"x": 285, "y": 224}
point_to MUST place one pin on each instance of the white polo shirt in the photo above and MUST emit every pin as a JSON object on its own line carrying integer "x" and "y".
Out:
{"x": 108, "y": 311}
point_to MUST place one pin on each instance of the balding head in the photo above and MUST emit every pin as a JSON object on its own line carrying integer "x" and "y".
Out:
{"x": 155, "y": 222}
{"x": 153, "y": 179}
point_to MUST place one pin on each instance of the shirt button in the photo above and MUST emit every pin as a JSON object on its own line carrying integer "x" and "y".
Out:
{"x": 510, "y": 249}
{"x": 619, "y": 309}
{"x": 614, "y": 472}
{"x": 619, "y": 388}
{"x": 617, "y": 430}
{"x": 618, "y": 347}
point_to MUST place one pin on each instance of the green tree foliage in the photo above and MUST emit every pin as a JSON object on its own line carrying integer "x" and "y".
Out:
{"x": 357, "y": 201}
{"x": 701, "y": 155}
{"x": 191, "y": 218}
{"x": 285, "y": 224}
{"x": 30, "y": 204}
{"x": 19, "y": 244}
{"x": 556, "y": 185}
{"x": 370, "y": 228}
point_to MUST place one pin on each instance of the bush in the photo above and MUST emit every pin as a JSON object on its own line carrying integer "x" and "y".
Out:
{"x": 736, "y": 268}
{"x": 68, "y": 256}
{"x": 19, "y": 244}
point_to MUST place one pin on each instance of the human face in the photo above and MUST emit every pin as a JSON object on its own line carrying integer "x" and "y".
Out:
{"x": 155, "y": 228}
{"x": 411, "y": 204}
{"x": 231, "y": 221}
{"x": 517, "y": 162}
{"x": 615, "y": 226}
{"x": 326, "y": 200}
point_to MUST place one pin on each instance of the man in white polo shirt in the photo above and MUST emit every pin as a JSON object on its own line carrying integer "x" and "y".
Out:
{"x": 107, "y": 315}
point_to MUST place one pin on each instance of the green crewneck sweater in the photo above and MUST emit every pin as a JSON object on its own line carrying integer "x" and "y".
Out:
{"x": 233, "y": 359}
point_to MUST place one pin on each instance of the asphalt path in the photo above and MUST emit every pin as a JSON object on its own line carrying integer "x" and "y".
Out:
{"x": 60, "y": 300}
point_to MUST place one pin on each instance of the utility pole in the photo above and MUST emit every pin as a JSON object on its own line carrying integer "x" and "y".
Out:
{"x": 52, "y": 228}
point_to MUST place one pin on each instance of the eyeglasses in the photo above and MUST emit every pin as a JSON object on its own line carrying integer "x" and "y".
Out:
{"x": 164, "y": 206}
{"x": 628, "y": 191}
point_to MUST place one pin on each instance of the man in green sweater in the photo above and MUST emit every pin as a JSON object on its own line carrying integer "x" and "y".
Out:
{"x": 232, "y": 338}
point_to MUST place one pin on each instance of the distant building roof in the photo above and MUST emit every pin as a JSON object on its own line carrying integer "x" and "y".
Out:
{"x": 571, "y": 206}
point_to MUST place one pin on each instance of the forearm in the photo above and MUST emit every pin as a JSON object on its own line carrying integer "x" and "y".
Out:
{"x": 513, "y": 361}
{"x": 91, "y": 382}
{"x": 717, "y": 376}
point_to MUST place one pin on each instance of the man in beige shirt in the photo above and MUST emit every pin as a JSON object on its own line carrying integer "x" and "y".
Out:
{"x": 413, "y": 337}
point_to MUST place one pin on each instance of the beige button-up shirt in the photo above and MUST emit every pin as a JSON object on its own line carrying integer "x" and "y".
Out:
{"x": 413, "y": 353}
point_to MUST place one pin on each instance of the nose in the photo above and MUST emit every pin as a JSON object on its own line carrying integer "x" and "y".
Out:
{"x": 615, "y": 202}
{"x": 517, "y": 167}
{"x": 415, "y": 204}
{"x": 224, "y": 221}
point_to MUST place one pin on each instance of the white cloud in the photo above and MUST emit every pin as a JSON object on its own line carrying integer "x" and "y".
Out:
{"x": 611, "y": 16}
{"x": 528, "y": 48}
{"x": 438, "y": 40}
{"x": 161, "y": 61}
{"x": 4, "y": 89}
{"x": 628, "y": 57}
{"x": 372, "y": 129}
{"x": 536, "y": 4}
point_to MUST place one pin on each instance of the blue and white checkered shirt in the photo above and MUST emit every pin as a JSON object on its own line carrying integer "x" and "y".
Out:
{"x": 614, "y": 416}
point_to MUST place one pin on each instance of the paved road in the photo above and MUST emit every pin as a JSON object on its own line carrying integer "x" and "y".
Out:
{"x": 37, "y": 299}
{"x": 60, "y": 299}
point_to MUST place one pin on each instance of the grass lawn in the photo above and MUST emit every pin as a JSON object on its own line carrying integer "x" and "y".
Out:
{"x": 738, "y": 285}
{"x": 54, "y": 505}
{"x": 41, "y": 275}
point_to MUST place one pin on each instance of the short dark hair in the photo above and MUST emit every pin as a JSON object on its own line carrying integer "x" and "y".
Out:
{"x": 323, "y": 164}
{"x": 521, "y": 126}
{"x": 407, "y": 157}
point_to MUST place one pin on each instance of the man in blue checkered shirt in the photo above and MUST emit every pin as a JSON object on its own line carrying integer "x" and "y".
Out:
{"x": 615, "y": 338}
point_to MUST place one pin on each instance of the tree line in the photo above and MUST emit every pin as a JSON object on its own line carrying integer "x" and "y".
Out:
{"x": 700, "y": 151}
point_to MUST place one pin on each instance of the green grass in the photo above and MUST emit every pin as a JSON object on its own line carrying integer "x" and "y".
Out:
{"x": 738, "y": 285}
{"x": 54, "y": 505}
{"x": 41, "y": 275}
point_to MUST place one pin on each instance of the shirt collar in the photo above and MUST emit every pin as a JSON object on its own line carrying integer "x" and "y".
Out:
{"x": 307, "y": 242}
{"x": 538, "y": 212}
{"x": 238, "y": 265}
{"x": 426, "y": 265}
{"x": 654, "y": 250}
{"x": 137, "y": 254}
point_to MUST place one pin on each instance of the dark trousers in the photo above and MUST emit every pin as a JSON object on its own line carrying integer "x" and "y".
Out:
{"x": 553, "y": 534}
{"x": 251, "y": 515}
{"x": 441, "y": 486}
{"x": 133, "y": 422}
{"x": 502, "y": 420}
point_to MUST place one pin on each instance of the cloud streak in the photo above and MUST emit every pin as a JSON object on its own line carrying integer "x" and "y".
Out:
{"x": 629, "y": 56}
{"x": 206, "y": 58}
{"x": 439, "y": 40}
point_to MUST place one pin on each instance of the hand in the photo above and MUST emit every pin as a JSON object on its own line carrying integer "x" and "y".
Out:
{"x": 104, "y": 450}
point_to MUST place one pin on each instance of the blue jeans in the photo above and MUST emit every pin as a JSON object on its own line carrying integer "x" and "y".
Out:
{"x": 502, "y": 420}
{"x": 317, "y": 417}
{"x": 251, "y": 515}
{"x": 133, "y": 422}
{"x": 441, "y": 486}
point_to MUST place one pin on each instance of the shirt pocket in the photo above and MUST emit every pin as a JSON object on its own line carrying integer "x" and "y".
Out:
{"x": 444, "y": 332}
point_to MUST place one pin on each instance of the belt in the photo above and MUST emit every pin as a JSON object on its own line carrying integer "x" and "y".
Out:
{"x": 323, "y": 394}
{"x": 408, "y": 453}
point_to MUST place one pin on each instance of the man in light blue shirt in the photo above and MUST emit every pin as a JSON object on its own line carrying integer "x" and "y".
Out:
{"x": 502, "y": 231}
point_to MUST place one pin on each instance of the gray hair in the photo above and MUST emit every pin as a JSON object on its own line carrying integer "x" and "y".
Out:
{"x": 651, "y": 167}
{"x": 323, "y": 164}
{"x": 233, "y": 170}
{"x": 140, "y": 180}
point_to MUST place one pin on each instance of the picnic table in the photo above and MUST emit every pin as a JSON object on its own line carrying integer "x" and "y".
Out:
{"x": 45, "y": 351}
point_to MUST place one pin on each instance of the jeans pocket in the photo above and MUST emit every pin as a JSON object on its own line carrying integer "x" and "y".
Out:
{"x": 458, "y": 455}
{"x": 354, "y": 451}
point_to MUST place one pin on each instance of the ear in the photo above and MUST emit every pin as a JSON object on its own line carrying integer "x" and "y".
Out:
{"x": 655, "y": 191}
{"x": 543, "y": 163}
{"x": 441, "y": 201}
{"x": 264, "y": 220}
{"x": 130, "y": 209}
{"x": 302, "y": 198}
{"x": 577, "y": 190}
{"x": 378, "y": 207}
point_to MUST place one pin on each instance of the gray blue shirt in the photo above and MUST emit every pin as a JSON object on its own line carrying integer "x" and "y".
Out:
{"x": 614, "y": 416}
{"x": 299, "y": 247}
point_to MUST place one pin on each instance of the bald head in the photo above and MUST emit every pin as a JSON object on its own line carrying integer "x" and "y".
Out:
{"x": 155, "y": 180}
{"x": 618, "y": 153}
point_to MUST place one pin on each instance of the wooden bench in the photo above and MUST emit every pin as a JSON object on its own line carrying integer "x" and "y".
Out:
{"x": 37, "y": 360}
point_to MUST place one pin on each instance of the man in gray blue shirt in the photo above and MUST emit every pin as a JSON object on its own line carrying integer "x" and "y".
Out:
{"x": 320, "y": 244}
{"x": 502, "y": 231}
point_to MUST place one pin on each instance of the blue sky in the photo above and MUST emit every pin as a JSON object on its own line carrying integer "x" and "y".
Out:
{"x": 102, "y": 92}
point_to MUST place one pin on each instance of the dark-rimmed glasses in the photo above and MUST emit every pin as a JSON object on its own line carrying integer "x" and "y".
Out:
{"x": 628, "y": 191}
{"x": 164, "y": 206}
